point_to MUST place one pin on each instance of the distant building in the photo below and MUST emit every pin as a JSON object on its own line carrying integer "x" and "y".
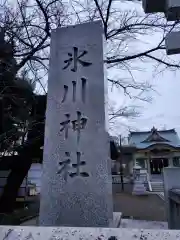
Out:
{"x": 154, "y": 150}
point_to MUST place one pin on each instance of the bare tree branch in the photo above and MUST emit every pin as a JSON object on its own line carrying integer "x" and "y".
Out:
{"x": 100, "y": 11}
{"x": 127, "y": 58}
{"x": 125, "y": 112}
{"x": 46, "y": 17}
{"x": 29, "y": 24}
{"x": 107, "y": 17}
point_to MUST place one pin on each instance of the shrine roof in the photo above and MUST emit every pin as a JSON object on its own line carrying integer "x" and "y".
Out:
{"x": 145, "y": 139}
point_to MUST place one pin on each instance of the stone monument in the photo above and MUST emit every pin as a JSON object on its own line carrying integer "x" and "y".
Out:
{"x": 76, "y": 182}
{"x": 171, "y": 181}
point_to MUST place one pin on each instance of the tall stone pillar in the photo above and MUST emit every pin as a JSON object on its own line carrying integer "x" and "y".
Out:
{"x": 76, "y": 183}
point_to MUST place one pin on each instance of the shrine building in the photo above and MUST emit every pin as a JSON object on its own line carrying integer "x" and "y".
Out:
{"x": 153, "y": 150}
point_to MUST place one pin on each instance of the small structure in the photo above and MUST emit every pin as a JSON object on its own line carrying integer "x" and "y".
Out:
{"x": 172, "y": 41}
{"x": 171, "y": 9}
{"x": 153, "y": 6}
{"x": 172, "y": 12}
{"x": 139, "y": 187}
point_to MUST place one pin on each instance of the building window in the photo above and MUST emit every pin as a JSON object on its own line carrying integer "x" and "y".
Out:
{"x": 141, "y": 162}
{"x": 176, "y": 161}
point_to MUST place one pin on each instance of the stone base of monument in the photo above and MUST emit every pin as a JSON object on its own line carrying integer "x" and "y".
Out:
{"x": 139, "y": 189}
{"x": 116, "y": 222}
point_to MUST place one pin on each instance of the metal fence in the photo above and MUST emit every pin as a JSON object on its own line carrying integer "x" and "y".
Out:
{"x": 116, "y": 179}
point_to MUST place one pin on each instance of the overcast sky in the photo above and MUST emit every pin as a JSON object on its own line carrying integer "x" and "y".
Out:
{"x": 164, "y": 111}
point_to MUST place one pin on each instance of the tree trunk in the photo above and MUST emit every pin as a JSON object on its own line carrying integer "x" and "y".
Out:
{"x": 18, "y": 173}
{"x": 20, "y": 166}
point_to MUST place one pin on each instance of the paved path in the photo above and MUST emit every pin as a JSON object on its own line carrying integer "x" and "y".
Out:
{"x": 149, "y": 207}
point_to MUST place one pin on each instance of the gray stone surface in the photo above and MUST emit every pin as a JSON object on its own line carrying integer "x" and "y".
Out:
{"x": 171, "y": 180}
{"x": 72, "y": 233}
{"x": 76, "y": 182}
{"x": 153, "y": 6}
{"x": 172, "y": 41}
{"x": 115, "y": 223}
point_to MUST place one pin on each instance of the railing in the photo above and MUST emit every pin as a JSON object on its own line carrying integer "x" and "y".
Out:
{"x": 116, "y": 179}
{"x": 149, "y": 182}
{"x": 174, "y": 208}
{"x": 143, "y": 177}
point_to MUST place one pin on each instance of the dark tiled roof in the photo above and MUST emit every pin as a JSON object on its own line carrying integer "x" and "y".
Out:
{"x": 138, "y": 139}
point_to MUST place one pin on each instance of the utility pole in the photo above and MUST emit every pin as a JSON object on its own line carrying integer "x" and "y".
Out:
{"x": 120, "y": 161}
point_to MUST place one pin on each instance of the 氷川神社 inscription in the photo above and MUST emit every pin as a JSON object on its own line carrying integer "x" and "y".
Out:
{"x": 76, "y": 183}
